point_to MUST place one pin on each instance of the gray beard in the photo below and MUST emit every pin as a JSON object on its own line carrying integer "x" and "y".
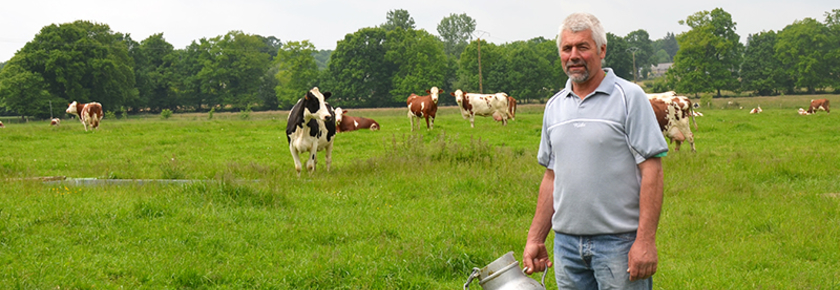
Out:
{"x": 579, "y": 78}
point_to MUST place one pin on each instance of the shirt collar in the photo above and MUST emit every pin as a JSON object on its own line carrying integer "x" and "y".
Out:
{"x": 606, "y": 86}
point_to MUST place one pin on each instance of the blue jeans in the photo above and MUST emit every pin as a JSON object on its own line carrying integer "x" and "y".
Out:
{"x": 595, "y": 262}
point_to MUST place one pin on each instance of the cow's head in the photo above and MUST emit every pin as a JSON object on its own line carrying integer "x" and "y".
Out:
{"x": 71, "y": 108}
{"x": 459, "y": 95}
{"x": 314, "y": 105}
{"x": 434, "y": 93}
{"x": 339, "y": 114}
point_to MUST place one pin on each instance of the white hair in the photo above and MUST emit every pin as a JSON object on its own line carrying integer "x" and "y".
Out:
{"x": 581, "y": 21}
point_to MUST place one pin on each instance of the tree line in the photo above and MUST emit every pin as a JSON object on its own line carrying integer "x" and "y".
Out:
{"x": 380, "y": 66}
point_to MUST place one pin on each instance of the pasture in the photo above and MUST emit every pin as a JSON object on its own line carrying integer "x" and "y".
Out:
{"x": 757, "y": 207}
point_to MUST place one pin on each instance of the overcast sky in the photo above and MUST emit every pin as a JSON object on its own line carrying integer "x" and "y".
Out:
{"x": 323, "y": 22}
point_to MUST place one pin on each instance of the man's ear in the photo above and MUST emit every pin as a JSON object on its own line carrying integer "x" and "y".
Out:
{"x": 603, "y": 51}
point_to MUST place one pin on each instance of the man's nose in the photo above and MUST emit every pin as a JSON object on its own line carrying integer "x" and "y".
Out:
{"x": 574, "y": 53}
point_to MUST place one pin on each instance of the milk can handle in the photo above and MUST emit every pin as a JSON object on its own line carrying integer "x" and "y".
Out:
{"x": 475, "y": 273}
{"x": 544, "y": 272}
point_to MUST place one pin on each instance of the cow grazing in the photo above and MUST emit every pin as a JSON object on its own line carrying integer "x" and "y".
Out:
{"x": 1, "y": 125}
{"x": 672, "y": 114}
{"x": 345, "y": 123}
{"x": 756, "y": 110}
{"x": 89, "y": 114}
{"x": 311, "y": 128}
{"x": 423, "y": 107}
{"x": 803, "y": 112}
{"x": 821, "y": 104}
{"x": 496, "y": 105}
{"x": 55, "y": 122}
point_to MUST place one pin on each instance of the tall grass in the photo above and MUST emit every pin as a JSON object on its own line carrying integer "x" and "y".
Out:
{"x": 756, "y": 207}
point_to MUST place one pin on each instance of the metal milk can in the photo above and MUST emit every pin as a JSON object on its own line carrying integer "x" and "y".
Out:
{"x": 504, "y": 274}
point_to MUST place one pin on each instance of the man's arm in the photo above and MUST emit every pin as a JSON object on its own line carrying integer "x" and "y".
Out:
{"x": 535, "y": 257}
{"x": 643, "y": 258}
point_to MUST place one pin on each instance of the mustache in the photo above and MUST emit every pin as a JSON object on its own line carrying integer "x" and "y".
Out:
{"x": 575, "y": 62}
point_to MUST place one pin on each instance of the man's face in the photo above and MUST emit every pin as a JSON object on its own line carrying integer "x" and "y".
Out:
{"x": 579, "y": 55}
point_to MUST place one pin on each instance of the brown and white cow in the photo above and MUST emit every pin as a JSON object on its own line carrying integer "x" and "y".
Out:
{"x": 55, "y": 122}
{"x": 673, "y": 114}
{"x": 423, "y": 107}
{"x": 1, "y": 125}
{"x": 756, "y": 110}
{"x": 345, "y": 123}
{"x": 803, "y": 112}
{"x": 821, "y": 104}
{"x": 89, "y": 114}
{"x": 471, "y": 104}
{"x": 311, "y": 128}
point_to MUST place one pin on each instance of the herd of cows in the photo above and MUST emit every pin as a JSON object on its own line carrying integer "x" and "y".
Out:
{"x": 312, "y": 123}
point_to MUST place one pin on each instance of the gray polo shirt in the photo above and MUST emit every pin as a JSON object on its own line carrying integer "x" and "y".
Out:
{"x": 594, "y": 145}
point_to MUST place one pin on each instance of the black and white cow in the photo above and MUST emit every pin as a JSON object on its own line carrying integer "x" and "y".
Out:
{"x": 311, "y": 128}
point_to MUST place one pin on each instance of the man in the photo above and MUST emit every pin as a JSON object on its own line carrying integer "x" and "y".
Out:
{"x": 602, "y": 188}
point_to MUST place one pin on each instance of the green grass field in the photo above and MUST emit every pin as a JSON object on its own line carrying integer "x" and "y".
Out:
{"x": 757, "y": 207}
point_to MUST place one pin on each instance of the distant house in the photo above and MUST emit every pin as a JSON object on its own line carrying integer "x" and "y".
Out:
{"x": 660, "y": 69}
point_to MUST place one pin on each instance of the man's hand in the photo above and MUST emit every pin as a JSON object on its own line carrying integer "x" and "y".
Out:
{"x": 535, "y": 258}
{"x": 642, "y": 260}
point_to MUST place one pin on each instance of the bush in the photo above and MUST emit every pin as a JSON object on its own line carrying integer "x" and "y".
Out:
{"x": 245, "y": 114}
{"x": 110, "y": 115}
{"x": 165, "y": 114}
{"x": 210, "y": 114}
{"x": 659, "y": 86}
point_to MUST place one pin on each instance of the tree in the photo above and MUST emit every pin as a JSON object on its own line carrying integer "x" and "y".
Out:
{"x": 801, "y": 48}
{"x": 761, "y": 71}
{"x": 491, "y": 60}
{"x": 662, "y": 56}
{"x": 22, "y": 91}
{"x": 235, "y": 68}
{"x": 456, "y": 31}
{"x": 188, "y": 84}
{"x": 669, "y": 44}
{"x": 358, "y": 73}
{"x": 153, "y": 71}
{"x": 297, "y": 72}
{"x": 419, "y": 60}
{"x": 832, "y": 21}
{"x": 639, "y": 41}
{"x": 322, "y": 58}
{"x": 230, "y": 69}
{"x": 832, "y": 18}
{"x": 709, "y": 55}
{"x": 619, "y": 57}
{"x": 79, "y": 61}
{"x": 547, "y": 49}
{"x": 272, "y": 45}
{"x": 529, "y": 74}
{"x": 398, "y": 18}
